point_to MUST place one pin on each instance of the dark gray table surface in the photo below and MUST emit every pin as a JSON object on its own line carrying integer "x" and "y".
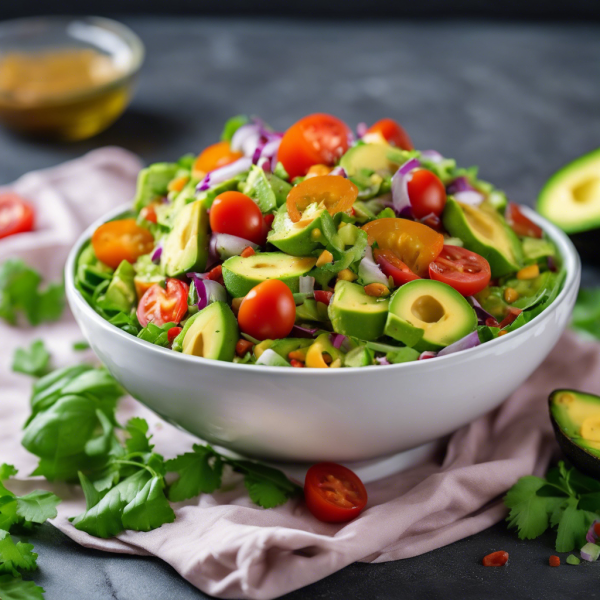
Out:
{"x": 519, "y": 100}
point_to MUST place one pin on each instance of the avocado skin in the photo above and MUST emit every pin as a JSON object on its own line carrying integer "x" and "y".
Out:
{"x": 581, "y": 459}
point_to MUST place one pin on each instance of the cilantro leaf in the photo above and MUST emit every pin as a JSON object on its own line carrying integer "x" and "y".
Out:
{"x": 199, "y": 473}
{"x": 139, "y": 440}
{"x": 15, "y": 557}
{"x": 15, "y": 588}
{"x": 8, "y": 512}
{"x": 528, "y": 511}
{"x": 6, "y": 472}
{"x": 33, "y": 360}
{"x": 92, "y": 495}
{"x": 149, "y": 508}
{"x": 572, "y": 527}
{"x": 265, "y": 493}
{"x": 37, "y": 506}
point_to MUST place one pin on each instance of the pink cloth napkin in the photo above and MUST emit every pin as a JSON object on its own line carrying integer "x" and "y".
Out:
{"x": 222, "y": 543}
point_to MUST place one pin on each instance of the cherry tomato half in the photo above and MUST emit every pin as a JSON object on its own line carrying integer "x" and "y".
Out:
{"x": 268, "y": 311}
{"x": 116, "y": 241}
{"x": 324, "y": 297}
{"x": 393, "y": 267}
{"x": 16, "y": 216}
{"x": 392, "y": 132}
{"x": 315, "y": 139}
{"x": 415, "y": 244}
{"x": 427, "y": 193}
{"x": 237, "y": 214}
{"x": 335, "y": 192}
{"x": 467, "y": 272}
{"x": 333, "y": 493}
{"x": 163, "y": 305}
{"x": 521, "y": 224}
{"x": 215, "y": 156}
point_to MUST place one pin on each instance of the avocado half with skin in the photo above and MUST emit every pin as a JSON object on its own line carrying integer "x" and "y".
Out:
{"x": 571, "y": 200}
{"x": 575, "y": 417}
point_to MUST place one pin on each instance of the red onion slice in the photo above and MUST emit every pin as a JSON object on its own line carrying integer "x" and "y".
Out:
{"x": 470, "y": 197}
{"x": 427, "y": 354}
{"x": 361, "y": 129}
{"x": 209, "y": 291}
{"x": 224, "y": 173}
{"x": 340, "y": 171}
{"x": 224, "y": 245}
{"x": 382, "y": 360}
{"x": 250, "y": 131}
{"x": 482, "y": 314}
{"x": 432, "y": 156}
{"x": 155, "y": 258}
{"x": 469, "y": 341}
{"x": 400, "y": 185}
{"x": 337, "y": 339}
{"x": 369, "y": 271}
{"x": 303, "y": 332}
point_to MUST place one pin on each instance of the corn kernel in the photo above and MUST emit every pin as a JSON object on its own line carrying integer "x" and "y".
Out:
{"x": 502, "y": 333}
{"x": 378, "y": 290}
{"x": 325, "y": 258}
{"x": 315, "y": 234}
{"x": 511, "y": 295}
{"x": 530, "y": 272}
{"x": 347, "y": 275}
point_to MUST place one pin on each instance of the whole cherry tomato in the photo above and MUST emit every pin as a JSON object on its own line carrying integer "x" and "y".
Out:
{"x": 315, "y": 139}
{"x": 393, "y": 133}
{"x": 163, "y": 305}
{"x": 427, "y": 193}
{"x": 415, "y": 244}
{"x": 237, "y": 214}
{"x": 521, "y": 224}
{"x": 333, "y": 493}
{"x": 116, "y": 241}
{"x": 335, "y": 192}
{"x": 393, "y": 267}
{"x": 467, "y": 272}
{"x": 16, "y": 215}
{"x": 268, "y": 311}
{"x": 215, "y": 156}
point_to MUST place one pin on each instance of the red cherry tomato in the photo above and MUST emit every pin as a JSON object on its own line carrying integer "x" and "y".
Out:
{"x": 173, "y": 333}
{"x": 214, "y": 157}
{"x": 268, "y": 311}
{"x": 216, "y": 274}
{"x": 315, "y": 139}
{"x": 149, "y": 213}
{"x": 468, "y": 273}
{"x": 324, "y": 297}
{"x": 393, "y": 267}
{"x": 237, "y": 214}
{"x": 163, "y": 305}
{"x": 521, "y": 224}
{"x": 427, "y": 193}
{"x": 16, "y": 216}
{"x": 333, "y": 493}
{"x": 393, "y": 133}
{"x": 120, "y": 240}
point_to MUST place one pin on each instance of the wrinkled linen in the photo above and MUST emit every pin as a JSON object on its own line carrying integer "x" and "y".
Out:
{"x": 222, "y": 543}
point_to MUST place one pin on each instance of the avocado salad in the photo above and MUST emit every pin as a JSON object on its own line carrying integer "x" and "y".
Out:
{"x": 318, "y": 247}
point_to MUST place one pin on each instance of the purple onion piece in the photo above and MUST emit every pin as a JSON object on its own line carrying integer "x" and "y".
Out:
{"x": 407, "y": 213}
{"x": 432, "y": 156}
{"x": 369, "y": 271}
{"x": 427, "y": 354}
{"x": 223, "y": 245}
{"x": 244, "y": 133}
{"x": 265, "y": 164}
{"x": 460, "y": 184}
{"x": 552, "y": 264}
{"x": 591, "y": 536}
{"x": 303, "y": 332}
{"x": 340, "y": 171}
{"x": 470, "y": 197}
{"x": 469, "y": 341}
{"x": 346, "y": 345}
{"x": 224, "y": 173}
{"x": 155, "y": 258}
{"x": 382, "y": 360}
{"x": 208, "y": 291}
{"x": 361, "y": 129}
{"x": 400, "y": 185}
{"x": 337, "y": 339}
{"x": 258, "y": 150}
{"x": 482, "y": 315}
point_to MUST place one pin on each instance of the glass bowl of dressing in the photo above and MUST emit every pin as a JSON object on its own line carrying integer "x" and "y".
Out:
{"x": 66, "y": 78}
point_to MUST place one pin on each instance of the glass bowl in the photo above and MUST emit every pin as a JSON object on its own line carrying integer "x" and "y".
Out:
{"x": 69, "y": 114}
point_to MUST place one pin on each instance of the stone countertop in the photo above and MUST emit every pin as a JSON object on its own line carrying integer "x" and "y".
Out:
{"x": 519, "y": 100}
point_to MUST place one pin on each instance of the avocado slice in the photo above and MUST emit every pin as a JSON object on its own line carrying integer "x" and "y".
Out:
{"x": 186, "y": 246}
{"x": 372, "y": 158}
{"x": 210, "y": 333}
{"x": 354, "y": 313}
{"x": 484, "y": 230}
{"x": 152, "y": 183}
{"x": 575, "y": 417}
{"x": 299, "y": 239}
{"x": 257, "y": 186}
{"x": 429, "y": 315}
{"x": 241, "y": 274}
{"x": 120, "y": 294}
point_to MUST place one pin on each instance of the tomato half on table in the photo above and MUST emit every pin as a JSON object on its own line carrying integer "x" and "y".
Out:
{"x": 268, "y": 311}
{"x": 521, "y": 224}
{"x": 334, "y": 192}
{"x": 237, "y": 214}
{"x": 393, "y": 267}
{"x": 16, "y": 216}
{"x": 467, "y": 272}
{"x": 426, "y": 193}
{"x": 333, "y": 493}
{"x": 393, "y": 133}
{"x": 160, "y": 305}
{"x": 116, "y": 241}
{"x": 214, "y": 157}
{"x": 415, "y": 244}
{"x": 315, "y": 139}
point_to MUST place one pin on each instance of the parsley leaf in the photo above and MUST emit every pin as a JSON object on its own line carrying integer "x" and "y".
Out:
{"x": 138, "y": 440}
{"x": 32, "y": 361}
{"x": 149, "y": 508}
{"x": 199, "y": 473}
{"x": 37, "y": 506}
{"x": 572, "y": 527}
{"x": 264, "y": 493}
{"x": 15, "y": 557}
{"x": 15, "y": 588}
{"x": 586, "y": 313}
{"x": 20, "y": 294}
{"x": 528, "y": 511}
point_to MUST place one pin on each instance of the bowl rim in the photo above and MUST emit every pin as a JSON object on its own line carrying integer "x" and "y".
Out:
{"x": 133, "y": 41}
{"x": 565, "y": 247}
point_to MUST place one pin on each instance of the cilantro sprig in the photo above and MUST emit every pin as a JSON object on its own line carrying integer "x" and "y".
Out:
{"x": 566, "y": 499}
{"x": 32, "y": 361}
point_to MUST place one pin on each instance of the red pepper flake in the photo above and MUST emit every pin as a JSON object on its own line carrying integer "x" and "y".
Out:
{"x": 495, "y": 559}
{"x": 247, "y": 251}
{"x": 554, "y": 561}
{"x": 216, "y": 274}
{"x": 173, "y": 333}
{"x": 296, "y": 363}
{"x": 322, "y": 296}
{"x": 242, "y": 347}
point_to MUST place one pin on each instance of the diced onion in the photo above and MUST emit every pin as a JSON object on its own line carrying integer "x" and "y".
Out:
{"x": 339, "y": 171}
{"x": 382, "y": 360}
{"x": 369, "y": 271}
{"x": 469, "y": 341}
{"x": 337, "y": 339}
{"x": 224, "y": 173}
{"x": 224, "y": 245}
{"x": 400, "y": 180}
{"x": 155, "y": 258}
{"x": 208, "y": 291}
{"x": 590, "y": 552}
{"x": 306, "y": 284}
{"x": 303, "y": 332}
{"x": 432, "y": 156}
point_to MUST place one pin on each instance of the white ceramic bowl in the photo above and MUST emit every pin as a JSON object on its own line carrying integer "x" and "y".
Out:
{"x": 343, "y": 415}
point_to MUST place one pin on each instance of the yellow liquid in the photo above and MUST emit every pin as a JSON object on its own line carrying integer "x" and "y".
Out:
{"x": 64, "y": 94}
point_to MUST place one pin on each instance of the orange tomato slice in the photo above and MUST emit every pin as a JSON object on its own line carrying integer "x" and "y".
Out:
{"x": 334, "y": 192}
{"x": 116, "y": 241}
{"x": 215, "y": 156}
{"x": 413, "y": 243}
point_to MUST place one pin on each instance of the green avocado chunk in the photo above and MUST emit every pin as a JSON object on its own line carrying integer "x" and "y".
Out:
{"x": 257, "y": 186}
{"x": 429, "y": 315}
{"x": 186, "y": 246}
{"x": 354, "y": 313}
{"x": 152, "y": 183}
{"x": 300, "y": 239}
{"x": 210, "y": 333}
{"x": 575, "y": 417}
{"x": 484, "y": 230}
{"x": 241, "y": 274}
{"x": 371, "y": 158}
{"x": 120, "y": 294}
{"x": 361, "y": 356}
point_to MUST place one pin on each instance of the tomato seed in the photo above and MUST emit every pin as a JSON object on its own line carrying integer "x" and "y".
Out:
{"x": 554, "y": 561}
{"x": 495, "y": 559}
